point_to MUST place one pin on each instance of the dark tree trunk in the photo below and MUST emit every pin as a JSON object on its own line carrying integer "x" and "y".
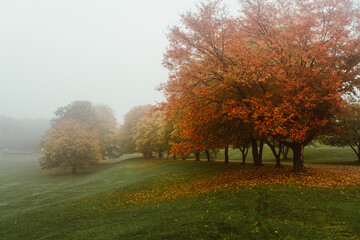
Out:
{"x": 357, "y": 152}
{"x": 160, "y": 154}
{"x": 284, "y": 152}
{"x": 298, "y": 157}
{"x": 227, "y": 154}
{"x": 244, "y": 151}
{"x": 174, "y": 157}
{"x": 73, "y": 169}
{"x": 261, "y": 151}
{"x": 197, "y": 155}
{"x": 276, "y": 154}
{"x": 168, "y": 154}
{"x": 208, "y": 155}
{"x": 254, "y": 152}
{"x": 148, "y": 155}
{"x": 183, "y": 158}
{"x": 278, "y": 162}
{"x": 257, "y": 155}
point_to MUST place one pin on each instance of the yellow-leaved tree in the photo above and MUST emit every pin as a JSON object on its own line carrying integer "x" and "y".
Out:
{"x": 70, "y": 143}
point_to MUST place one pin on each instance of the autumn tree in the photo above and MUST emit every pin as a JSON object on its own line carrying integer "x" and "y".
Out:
{"x": 127, "y": 130}
{"x": 281, "y": 66}
{"x": 152, "y": 134}
{"x": 99, "y": 118}
{"x": 345, "y": 130}
{"x": 308, "y": 55}
{"x": 198, "y": 128}
{"x": 70, "y": 143}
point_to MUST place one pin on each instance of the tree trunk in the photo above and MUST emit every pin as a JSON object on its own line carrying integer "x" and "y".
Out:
{"x": 256, "y": 156}
{"x": 73, "y": 169}
{"x": 174, "y": 157}
{"x": 208, "y": 155}
{"x": 278, "y": 162}
{"x": 160, "y": 154}
{"x": 183, "y": 158}
{"x": 244, "y": 151}
{"x": 277, "y": 155}
{"x": 298, "y": 157}
{"x": 254, "y": 152}
{"x": 357, "y": 152}
{"x": 285, "y": 152}
{"x": 227, "y": 154}
{"x": 261, "y": 151}
{"x": 197, "y": 155}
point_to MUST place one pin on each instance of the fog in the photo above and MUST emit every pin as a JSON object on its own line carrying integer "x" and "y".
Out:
{"x": 108, "y": 52}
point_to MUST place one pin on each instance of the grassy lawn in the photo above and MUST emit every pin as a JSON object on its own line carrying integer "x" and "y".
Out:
{"x": 102, "y": 202}
{"x": 316, "y": 153}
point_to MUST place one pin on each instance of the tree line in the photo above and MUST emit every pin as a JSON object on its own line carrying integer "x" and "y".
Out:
{"x": 279, "y": 72}
{"x": 21, "y": 135}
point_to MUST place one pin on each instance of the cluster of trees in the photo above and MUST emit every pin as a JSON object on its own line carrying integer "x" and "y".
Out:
{"x": 83, "y": 134}
{"x": 144, "y": 130}
{"x": 276, "y": 73}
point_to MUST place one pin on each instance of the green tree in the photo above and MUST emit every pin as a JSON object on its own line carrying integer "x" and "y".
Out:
{"x": 345, "y": 129}
{"x": 70, "y": 143}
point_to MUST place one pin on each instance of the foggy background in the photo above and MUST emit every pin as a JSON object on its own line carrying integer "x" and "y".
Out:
{"x": 53, "y": 52}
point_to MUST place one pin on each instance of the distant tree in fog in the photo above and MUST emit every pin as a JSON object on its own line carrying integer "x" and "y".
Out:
{"x": 99, "y": 119}
{"x": 70, "y": 143}
{"x": 128, "y": 129}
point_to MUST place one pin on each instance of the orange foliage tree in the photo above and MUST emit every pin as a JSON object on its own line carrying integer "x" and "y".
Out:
{"x": 281, "y": 66}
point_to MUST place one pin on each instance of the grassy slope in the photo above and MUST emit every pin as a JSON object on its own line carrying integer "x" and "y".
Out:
{"x": 38, "y": 204}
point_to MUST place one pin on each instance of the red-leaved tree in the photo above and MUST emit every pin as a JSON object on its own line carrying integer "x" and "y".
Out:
{"x": 281, "y": 66}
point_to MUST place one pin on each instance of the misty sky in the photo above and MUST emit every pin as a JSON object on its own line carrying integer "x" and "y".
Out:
{"x": 53, "y": 52}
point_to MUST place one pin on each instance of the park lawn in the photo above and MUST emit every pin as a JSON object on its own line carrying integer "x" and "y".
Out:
{"x": 314, "y": 153}
{"x": 95, "y": 204}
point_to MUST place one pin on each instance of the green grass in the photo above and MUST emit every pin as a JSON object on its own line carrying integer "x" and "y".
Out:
{"x": 36, "y": 204}
{"x": 316, "y": 153}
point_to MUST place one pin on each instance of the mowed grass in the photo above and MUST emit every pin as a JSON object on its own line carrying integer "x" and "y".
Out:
{"x": 94, "y": 204}
{"x": 315, "y": 153}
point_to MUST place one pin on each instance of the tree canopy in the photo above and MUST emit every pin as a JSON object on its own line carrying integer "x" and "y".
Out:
{"x": 70, "y": 143}
{"x": 280, "y": 66}
{"x": 345, "y": 129}
{"x": 127, "y": 130}
{"x": 99, "y": 119}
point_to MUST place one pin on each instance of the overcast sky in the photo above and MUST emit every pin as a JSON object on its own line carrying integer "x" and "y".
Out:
{"x": 53, "y": 52}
